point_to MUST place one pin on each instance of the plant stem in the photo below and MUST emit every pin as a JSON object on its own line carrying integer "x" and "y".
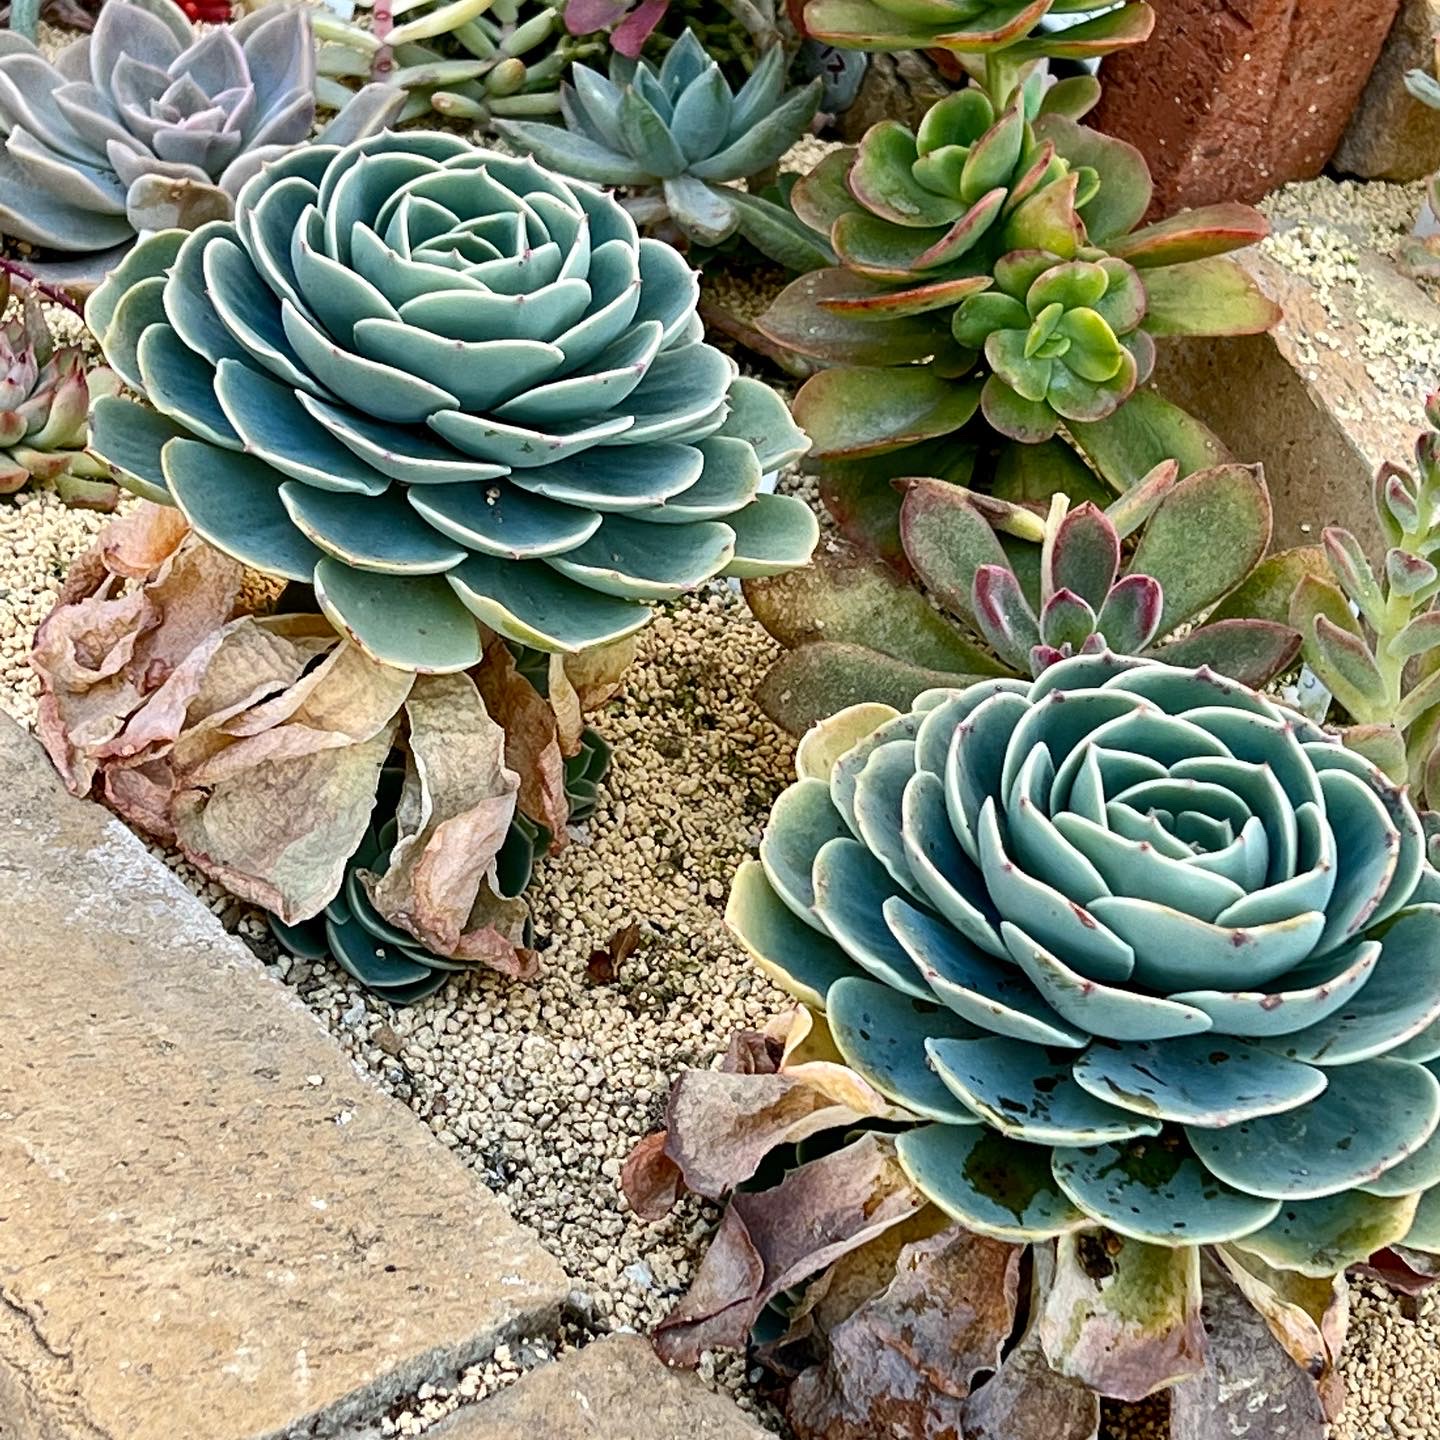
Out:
{"x": 55, "y": 293}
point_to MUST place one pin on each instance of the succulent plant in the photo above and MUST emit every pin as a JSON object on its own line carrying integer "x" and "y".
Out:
{"x": 24, "y": 16}
{"x": 1030, "y": 586}
{"x": 466, "y": 59}
{"x": 145, "y": 125}
{"x": 386, "y": 959}
{"x": 1002, "y": 30}
{"x": 1375, "y": 642}
{"x": 1144, "y": 951}
{"x": 454, "y": 391}
{"x": 45, "y": 393}
{"x": 676, "y": 134}
{"x": 631, "y": 23}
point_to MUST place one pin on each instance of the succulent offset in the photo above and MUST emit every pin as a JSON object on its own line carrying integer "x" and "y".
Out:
{"x": 450, "y": 389}
{"x": 990, "y": 262}
{"x": 45, "y": 394}
{"x": 1373, "y": 641}
{"x": 383, "y": 957}
{"x": 677, "y": 135}
{"x": 467, "y": 59}
{"x": 1142, "y": 949}
{"x": 146, "y": 124}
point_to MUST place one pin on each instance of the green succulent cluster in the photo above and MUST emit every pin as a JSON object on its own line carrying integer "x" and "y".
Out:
{"x": 1374, "y": 640}
{"x": 1009, "y": 588}
{"x": 388, "y": 960}
{"x": 677, "y": 136}
{"x": 454, "y": 392}
{"x": 1141, "y": 950}
{"x": 466, "y": 59}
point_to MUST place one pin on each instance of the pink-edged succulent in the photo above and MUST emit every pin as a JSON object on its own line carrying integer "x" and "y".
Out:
{"x": 1008, "y": 589}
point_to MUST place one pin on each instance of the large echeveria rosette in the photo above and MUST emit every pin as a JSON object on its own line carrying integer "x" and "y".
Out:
{"x": 444, "y": 386}
{"x": 1144, "y": 950}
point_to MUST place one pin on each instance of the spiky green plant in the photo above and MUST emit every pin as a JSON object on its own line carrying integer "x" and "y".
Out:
{"x": 678, "y": 137}
{"x": 45, "y": 393}
{"x": 466, "y": 59}
{"x": 1374, "y": 641}
{"x": 146, "y": 124}
{"x": 1027, "y": 587}
{"x": 1140, "y": 948}
{"x": 997, "y": 298}
{"x": 454, "y": 391}
{"x": 388, "y": 960}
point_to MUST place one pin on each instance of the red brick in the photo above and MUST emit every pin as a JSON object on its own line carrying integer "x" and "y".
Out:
{"x": 1227, "y": 101}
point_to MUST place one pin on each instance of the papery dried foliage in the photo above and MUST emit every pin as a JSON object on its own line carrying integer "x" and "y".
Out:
{"x": 1121, "y": 1316}
{"x": 532, "y": 740}
{"x": 1249, "y": 1385}
{"x": 771, "y": 1240}
{"x": 458, "y": 801}
{"x": 902, "y": 1363}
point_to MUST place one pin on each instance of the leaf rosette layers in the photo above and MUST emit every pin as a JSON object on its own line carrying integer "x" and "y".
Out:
{"x": 1141, "y": 949}
{"x": 446, "y": 387}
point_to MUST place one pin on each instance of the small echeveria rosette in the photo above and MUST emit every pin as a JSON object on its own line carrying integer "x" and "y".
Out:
{"x": 452, "y": 391}
{"x": 1142, "y": 949}
{"x": 382, "y": 957}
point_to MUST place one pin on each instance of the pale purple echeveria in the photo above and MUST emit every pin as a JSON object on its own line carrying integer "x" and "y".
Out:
{"x": 147, "y": 125}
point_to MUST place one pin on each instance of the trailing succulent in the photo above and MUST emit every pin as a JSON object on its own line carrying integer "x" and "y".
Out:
{"x": 388, "y": 960}
{"x": 450, "y": 389}
{"x": 467, "y": 59}
{"x": 45, "y": 394}
{"x": 993, "y": 291}
{"x": 1142, "y": 949}
{"x": 145, "y": 125}
{"x": 678, "y": 137}
{"x": 1029, "y": 588}
{"x": 1374, "y": 641}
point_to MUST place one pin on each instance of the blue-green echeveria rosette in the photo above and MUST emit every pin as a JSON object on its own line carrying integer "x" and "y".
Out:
{"x": 446, "y": 387}
{"x": 1141, "y": 948}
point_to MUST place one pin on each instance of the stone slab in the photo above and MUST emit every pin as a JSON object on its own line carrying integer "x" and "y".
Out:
{"x": 615, "y": 1389}
{"x": 1392, "y": 135}
{"x": 1323, "y": 399}
{"x": 212, "y": 1227}
{"x": 1230, "y": 98}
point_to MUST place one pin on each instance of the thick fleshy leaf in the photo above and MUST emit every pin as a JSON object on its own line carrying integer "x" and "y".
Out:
{"x": 1321, "y": 1238}
{"x": 858, "y": 411}
{"x": 1192, "y": 235}
{"x": 804, "y": 318}
{"x": 1144, "y": 432}
{"x": 1206, "y": 297}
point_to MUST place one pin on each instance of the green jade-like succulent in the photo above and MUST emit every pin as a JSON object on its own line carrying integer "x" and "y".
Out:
{"x": 678, "y": 138}
{"x": 1374, "y": 641}
{"x": 383, "y": 957}
{"x": 1137, "y": 947}
{"x": 454, "y": 392}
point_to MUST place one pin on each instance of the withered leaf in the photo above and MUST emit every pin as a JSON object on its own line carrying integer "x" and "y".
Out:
{"x": 770, "y": 1240}
{"x": 651, "y": 1180}
{"x": 532, "y": 739}
{"x": 1249, "y": 1385}
{"x": 1123, "y": 1316}
{"x": 603, "y": 966}
{"x": 903, "y": 1362}
{"x": 596, "y": 673}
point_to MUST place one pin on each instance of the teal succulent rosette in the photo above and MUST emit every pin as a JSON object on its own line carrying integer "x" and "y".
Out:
{"x": 1139, "y": 948}
{"x": 454, "y": 392}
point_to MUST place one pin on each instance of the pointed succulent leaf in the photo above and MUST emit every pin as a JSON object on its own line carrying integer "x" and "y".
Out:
{"x": 1082, "y": 554}
{"x": 993, "y": 156}
{"x": 1127, "y": 514}
{"x": 1130, "y": 617}
{"x": 800, "y": 319}
{"x": 1344, "y": 662}
{"x": 1253, "y": 651}
{"x": 1146, "y": 430}
{"x": 1192, "y": 235}
{"x": 1267, "y": 592}
{"x": 946, "y": 540}
{"x": 1353, "y": 571}
{"x": 1004, "y": 615}
{"x": 1066, "y": 622}
{"x": 1410, "y": 575}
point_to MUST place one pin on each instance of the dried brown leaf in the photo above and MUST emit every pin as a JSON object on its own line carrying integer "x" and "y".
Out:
{"x": 565, "y": 702}
{"x": 596, "y": 673}
{"x": 1025, "y": 1399}
{"x": 603, "y": 966}
{"x": 651, "y": 1180}
{"x": 770, "y": 1240}
{"x": 903, "y": 1362}
{"x": 1123, "y": 1316}
{"x": 1249, "y": 1385}
{"x": 1307, "y": 1316}
{"x": 532, "y": 739}
{"x": 454, "y": 813}
{"x": 137, "y": 543}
